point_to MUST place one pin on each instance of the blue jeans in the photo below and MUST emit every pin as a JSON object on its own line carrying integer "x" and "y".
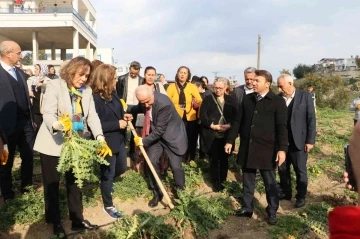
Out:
{"x": 109, "y": 173}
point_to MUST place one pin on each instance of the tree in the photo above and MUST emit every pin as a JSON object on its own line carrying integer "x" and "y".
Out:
{"x": 285, "y": 71}
{"x": 357, "y": 61}
{"x": 28, "y": 58}
{"x": 301, "y": 70}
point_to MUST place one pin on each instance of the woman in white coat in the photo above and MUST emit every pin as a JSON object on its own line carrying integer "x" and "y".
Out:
{"x": 68, "y": 95}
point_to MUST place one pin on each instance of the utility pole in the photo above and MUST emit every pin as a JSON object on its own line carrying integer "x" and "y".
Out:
{"x": 258, "y": 53}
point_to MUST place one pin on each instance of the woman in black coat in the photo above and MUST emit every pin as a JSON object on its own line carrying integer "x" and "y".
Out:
{"x": 217, "y": 113}
{"x": 113, "y": 122}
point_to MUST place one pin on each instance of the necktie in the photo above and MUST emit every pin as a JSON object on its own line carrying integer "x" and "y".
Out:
{"x": 258, "y": 97}
{"x": 146, "y": 127}
{"x": 13, "y": 73}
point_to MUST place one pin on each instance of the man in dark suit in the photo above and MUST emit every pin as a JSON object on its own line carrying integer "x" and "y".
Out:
{"x": 15, "y": 118}
{"x": 125, "y": 89}
{"x": 261, "y": 122}
{"x": 165, "y": 132}
{"x": 239, "y": 92}
{"x": 301, "y": 133}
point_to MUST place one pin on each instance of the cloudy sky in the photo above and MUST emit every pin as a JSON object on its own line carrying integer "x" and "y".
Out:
{"x": 221, "y": 35}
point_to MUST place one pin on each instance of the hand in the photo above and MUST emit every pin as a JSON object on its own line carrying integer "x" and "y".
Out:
{"x": 104, "y": 150}
{"x": 280, "y": 157}
{"x": 358, "y": 106}
{"x": 124, "y": 105}
{"x": 39, "y": 84}
{"x": 31, "y": 94}
{"x": 346, "y": 180}
{"x": 215, "y": 127}
{"x": 128, "y": 117}
{"x": 122, "y": 124}
{"x": 4, "y": 155}
{"x": 224, "y": 127}
{"x": 228, "y": 148}
{"x": 65, "y": 122}
{"x": 308, "y": 147}
{"x": 138, "y": 141}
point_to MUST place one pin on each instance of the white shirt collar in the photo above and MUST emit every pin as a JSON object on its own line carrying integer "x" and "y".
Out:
{"x": 6, "y": 66}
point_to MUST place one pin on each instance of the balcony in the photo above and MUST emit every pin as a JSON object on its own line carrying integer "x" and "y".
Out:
{"x": 48, "y": 10}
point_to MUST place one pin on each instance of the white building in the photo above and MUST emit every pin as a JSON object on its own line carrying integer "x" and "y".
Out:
{"x": 103, "y": 54}
{"x": 50, "y": 24}
{"x": 345, "y": 64}
{"x": 325, "y": 65}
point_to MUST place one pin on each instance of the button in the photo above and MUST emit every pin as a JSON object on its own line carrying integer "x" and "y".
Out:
{"x": 250, "y": 140}
{"x": 255, "y": 111}
{"x": 252, "y": 125}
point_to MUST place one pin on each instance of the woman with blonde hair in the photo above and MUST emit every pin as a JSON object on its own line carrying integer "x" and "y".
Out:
{"x": 113, "y": 122}
{"x": 186, "y": 99}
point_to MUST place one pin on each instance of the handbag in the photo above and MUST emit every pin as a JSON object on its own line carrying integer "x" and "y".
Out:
{"x": 222, "y": 119}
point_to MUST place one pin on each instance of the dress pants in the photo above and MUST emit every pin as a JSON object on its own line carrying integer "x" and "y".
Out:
{"x": 191, "y": 131}
{"x": 271, "y": 190}
{"x": 219, "y": 163}
{"x": 297, "y": 158}
{"x": 154, "y": 152}
{"x": 117, "y": 167}
{"x": 51, "y": 178}
{"x": 24, "y": 139}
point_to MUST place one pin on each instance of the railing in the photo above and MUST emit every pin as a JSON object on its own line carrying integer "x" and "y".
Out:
{"x": 47, "y": 10}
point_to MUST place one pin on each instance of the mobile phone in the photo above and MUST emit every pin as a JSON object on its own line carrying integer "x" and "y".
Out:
{"x": 348, "y": 168}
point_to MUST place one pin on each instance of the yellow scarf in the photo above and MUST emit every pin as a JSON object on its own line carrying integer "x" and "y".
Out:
{"x": 76, "y": 96}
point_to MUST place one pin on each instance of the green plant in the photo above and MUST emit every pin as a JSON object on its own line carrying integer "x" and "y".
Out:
{"x": 130, "y": 186}
{"x": 28, "y": 208}
{"x": 80, "y": 156}
{"x": 201, "y": 212}
{"x": 142, "y": 225}
{"x": 193, "y": 175}
{"x": 233, "y": 188}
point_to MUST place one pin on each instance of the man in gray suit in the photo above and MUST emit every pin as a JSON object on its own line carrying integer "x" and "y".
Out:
{"x": 301, "y": 125}
{"x": 166, "y": 133}
{"x": 247, "y": 88}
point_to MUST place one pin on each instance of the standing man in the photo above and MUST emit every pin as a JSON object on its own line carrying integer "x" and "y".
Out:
{"x": 247, "y": 88}
{"x": 15, "y": 118}
{"x": 125, "y": 88}
{"x": 301, "y": 125}
{"x": 261, "y": 122}
{"x": 165, "y": 131}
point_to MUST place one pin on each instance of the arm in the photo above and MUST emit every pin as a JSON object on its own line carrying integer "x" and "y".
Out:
{"x": 163, "y": 118}
{"x": 281, "y": 125}
{"x": 205, "y": 121}
{"x": 50, "y": 105}
{"x": 235, "y": 126}
{"x": 93, "y": 120}
{"x": 310, "y": 120}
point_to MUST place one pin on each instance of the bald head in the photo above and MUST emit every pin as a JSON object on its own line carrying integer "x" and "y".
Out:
{"x": 10, "y": 52}
{"x": 145, "y": 95}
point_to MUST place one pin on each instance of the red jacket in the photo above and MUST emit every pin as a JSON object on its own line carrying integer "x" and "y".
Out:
{"x": 344, "y": 223}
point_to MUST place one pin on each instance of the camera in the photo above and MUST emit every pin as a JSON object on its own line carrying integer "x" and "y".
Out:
{"x": 348, "y": 168}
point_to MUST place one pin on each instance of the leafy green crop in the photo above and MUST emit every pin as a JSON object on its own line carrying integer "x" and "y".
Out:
{"x": 201, "y": 212}
{"x": 80, "y": 156}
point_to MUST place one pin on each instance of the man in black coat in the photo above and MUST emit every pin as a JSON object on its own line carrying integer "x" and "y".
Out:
{"x": 125, "y": 89}
{"x": 166, "y": 133}
{"x": 261, "y": 122}
{"x": 15, "y": 118}
{"x": 301, "y": 133}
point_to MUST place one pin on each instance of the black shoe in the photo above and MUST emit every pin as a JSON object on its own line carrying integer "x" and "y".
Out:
{"x": 243, "y": 213}
{"x": 84, "y": 225}
{"x": 155, "y": 200}
{"x": 272, "y": 219}
{"x": 284, "y": 196}
{"x": 59, "y": 230}
{"x": 300, "y": 202}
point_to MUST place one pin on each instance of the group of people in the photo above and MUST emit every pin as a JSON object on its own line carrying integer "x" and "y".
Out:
{"x": 170, "y": 119}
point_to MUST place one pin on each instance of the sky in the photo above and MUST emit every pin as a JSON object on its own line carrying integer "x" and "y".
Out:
{"x": 221, "y": 35}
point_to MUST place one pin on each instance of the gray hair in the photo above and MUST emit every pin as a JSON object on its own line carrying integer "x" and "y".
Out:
{"x": 143, "y": 90}
{"x": 249, "y": 70}
{"x": 286, "y": 77}
{"x": 223, "y": 80}
{"x": 5, "y": 46}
